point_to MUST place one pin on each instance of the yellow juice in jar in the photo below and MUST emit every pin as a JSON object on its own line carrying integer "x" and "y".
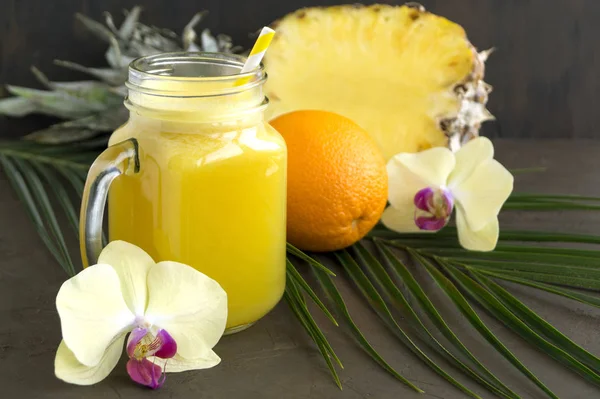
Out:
{"x": 210, "y": 191}
{"x": 212, "y": 198}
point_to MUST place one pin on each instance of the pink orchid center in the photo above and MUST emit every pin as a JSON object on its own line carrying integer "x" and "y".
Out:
{"x": 434, "y": 207}
{"x": 143, "y": 344}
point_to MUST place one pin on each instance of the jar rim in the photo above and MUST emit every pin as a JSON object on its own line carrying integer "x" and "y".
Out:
{"x": 192, "y": 74}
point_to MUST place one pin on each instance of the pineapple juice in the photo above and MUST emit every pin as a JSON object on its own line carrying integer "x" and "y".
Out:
{"x": 210, "y": 191}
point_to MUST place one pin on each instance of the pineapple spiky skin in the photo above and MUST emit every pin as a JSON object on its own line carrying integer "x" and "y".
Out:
{"x": 411, "y": 78}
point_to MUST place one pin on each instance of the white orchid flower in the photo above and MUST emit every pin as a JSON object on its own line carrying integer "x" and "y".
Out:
{"x": 425, "y": 187}
{"x": 173, "y": 313}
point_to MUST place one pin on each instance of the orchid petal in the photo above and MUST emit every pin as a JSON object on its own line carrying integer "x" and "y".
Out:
{"x": 410, "y": 173}
{"x": 483, "y": 193}
{"x": 424, "y": 199}
{"x": 144, "y": 372}
{"x": 430, "y": 223}
{"x": 401, "y": 220}
{"x": 189, "y": 305}
{"x": 483, "y": 240}
{"x": 69, "y": 369}
{"x": 178, "y": 364}
{"x": 92, "y": 312}
{"x": 132, "y": 265}
{"x": 469, "y": 157}
{"x": 168, "y": 346}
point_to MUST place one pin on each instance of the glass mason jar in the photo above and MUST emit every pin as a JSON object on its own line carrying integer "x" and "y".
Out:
{"x": 197, "y": 176}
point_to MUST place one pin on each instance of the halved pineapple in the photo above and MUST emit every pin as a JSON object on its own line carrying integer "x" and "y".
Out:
{"x": 410, "y": 78}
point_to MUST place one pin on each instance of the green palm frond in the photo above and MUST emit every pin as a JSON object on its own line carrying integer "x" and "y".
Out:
{"x": 49, "y": 181}
{"x": 39, "y": 175}
{"x": 469, "y": 280}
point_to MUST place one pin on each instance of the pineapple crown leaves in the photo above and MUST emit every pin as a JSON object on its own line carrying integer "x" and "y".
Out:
{"x": 93, "y": 107}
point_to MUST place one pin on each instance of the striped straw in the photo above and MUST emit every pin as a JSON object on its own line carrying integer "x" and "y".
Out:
{"x": 257, "y": 53}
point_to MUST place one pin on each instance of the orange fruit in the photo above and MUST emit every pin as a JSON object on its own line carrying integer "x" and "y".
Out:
{"x": 337, "y": 180}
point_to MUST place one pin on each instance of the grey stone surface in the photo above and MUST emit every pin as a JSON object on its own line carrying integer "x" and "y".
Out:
{"x": 275, "y": 359}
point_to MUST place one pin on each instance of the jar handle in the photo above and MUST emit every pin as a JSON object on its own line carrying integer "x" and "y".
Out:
{"x": 118, "y": 159}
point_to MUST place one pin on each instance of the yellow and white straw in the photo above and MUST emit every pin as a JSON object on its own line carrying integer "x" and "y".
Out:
{"x": 256, "y": 54}
{"x": 259, "y": 49}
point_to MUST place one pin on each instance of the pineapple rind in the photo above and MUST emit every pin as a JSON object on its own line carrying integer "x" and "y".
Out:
{"x": 473, "y": 94}
{"x": 410, "y": 78}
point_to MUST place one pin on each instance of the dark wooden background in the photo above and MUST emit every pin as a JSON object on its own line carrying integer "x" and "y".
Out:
{"x": 545, "y": 73}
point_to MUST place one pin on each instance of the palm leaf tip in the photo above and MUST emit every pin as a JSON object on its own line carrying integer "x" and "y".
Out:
{"x": 313, "y": 331}
{"x": 294, "y": 275}
{"x": 329, "y": 287}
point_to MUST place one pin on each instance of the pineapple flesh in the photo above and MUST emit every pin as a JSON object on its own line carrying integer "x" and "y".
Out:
{"x": 408, "y": 77}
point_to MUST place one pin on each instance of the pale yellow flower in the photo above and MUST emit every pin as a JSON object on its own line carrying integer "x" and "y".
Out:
{"x": 174, "y": 316}
{"x": 425, "y": 187}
